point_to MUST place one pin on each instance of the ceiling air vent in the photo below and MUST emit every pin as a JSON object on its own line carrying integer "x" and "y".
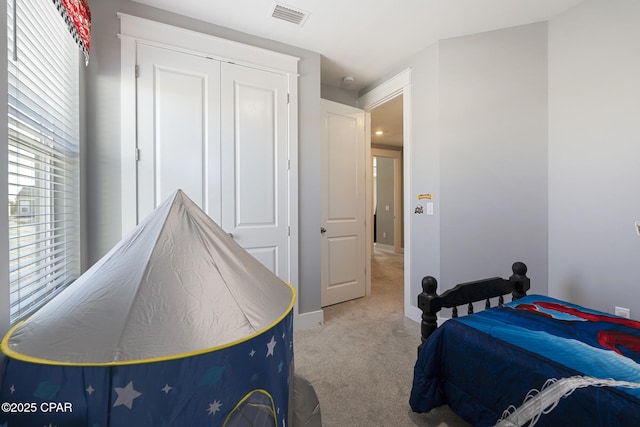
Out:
{"x": 289, "y": 14}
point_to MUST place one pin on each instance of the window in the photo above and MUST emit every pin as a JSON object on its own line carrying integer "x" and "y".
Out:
{"x": 43, "y": 138}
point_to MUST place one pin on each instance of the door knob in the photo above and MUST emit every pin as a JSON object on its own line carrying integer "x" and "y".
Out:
{"x": 323, "y": 230}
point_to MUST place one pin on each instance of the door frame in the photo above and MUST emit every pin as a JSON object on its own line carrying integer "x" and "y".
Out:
{"x": 396, "y": 156}
{"x": 400, "y": 84}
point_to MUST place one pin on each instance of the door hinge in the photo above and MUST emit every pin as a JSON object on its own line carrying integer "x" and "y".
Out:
{"x": 288, "y": 98}
{"x": 289, "y": 230}
{"x": 137, "y": 71}
{"x": 137, "y": 154}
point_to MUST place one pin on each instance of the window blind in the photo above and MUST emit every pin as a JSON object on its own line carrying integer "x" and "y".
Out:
{"x": 43, "y": 145}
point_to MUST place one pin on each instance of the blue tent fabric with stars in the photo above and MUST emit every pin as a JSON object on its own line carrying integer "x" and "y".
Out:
{"x": 200, "y": 390}
{"x": 230, "y": 369}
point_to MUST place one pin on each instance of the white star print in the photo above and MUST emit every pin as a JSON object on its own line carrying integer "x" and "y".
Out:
{"x": 214, "y": 407}
{"x": 90, "y": 390}
{"x": 166, "y": 388}
{"x": 252, "y": 352}
{"x": 270, "y": 346}
{"x": 126, "y": 395}
{"x": 12, "y": 388}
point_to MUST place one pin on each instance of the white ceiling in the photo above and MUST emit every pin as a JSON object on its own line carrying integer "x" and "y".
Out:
{"x": 366, "y": 39}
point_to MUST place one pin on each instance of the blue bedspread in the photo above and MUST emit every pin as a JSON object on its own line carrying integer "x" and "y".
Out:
{"x": 482, "y": 363}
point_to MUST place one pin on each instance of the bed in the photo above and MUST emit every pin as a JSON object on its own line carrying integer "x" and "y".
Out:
{"x": 534, "y": 360}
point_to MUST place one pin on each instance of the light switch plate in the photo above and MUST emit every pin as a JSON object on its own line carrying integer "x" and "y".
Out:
{"x": 623, "y": 312}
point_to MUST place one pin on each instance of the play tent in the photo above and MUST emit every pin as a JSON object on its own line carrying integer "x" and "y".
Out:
{"x": 176, "y": 326}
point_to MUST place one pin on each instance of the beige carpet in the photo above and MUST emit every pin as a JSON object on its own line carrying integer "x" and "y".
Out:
{"x": 360, "y": 361}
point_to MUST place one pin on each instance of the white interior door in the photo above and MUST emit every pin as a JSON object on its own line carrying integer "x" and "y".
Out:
{"x": 343, "y": 192}
{"x": 178, "y": 129}
{"x": 255, "y": 171}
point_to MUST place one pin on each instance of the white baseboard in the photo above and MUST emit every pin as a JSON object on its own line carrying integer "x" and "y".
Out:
{"x": 385, "y": 248}
{"x": 413, "y": 313}
{"x": 441, "y": 320}
{"x": 308, "y": 320}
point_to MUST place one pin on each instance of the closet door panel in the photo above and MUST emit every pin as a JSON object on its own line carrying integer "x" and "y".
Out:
{"x": 255, "y": 156}
{"x": 178, "y": 129}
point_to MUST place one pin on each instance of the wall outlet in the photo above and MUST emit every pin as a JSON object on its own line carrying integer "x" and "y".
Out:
{"x": 623, "y": 312}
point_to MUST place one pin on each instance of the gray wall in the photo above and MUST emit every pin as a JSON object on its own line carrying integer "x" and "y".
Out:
{"x": 385, "y": 197}
{"x": 479, "y": 146}
{"x": 529, "y": 139}
{"x": 493, "y": 154}
{"x": 103, "y": 151}
{"x": 594, "y": 155}
{"x": 341, "y": 96}
{"x": 424, "y": 174}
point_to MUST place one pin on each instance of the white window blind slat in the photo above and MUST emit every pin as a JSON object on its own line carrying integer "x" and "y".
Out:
{"x": 35, "y": 276}
{"x": 56, "y": 131}
{"x": 37, "y": 244}
{"x": 43, "y": 160}
{"x": 26, "y": 164}
{"x": 28, "y": 300}
{"x": 39, "y": 262}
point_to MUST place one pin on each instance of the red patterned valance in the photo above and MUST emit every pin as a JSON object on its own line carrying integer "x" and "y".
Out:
{"x": 77, "y": 15}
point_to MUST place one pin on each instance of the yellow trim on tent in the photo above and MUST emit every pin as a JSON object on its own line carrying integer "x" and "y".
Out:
{"x": 4, "y": 346}
{"x": 259, "y": 390}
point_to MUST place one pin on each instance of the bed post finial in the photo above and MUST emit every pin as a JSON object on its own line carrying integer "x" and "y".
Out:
{"x": 521, "y": 283}
{"x": 429, "y": 313}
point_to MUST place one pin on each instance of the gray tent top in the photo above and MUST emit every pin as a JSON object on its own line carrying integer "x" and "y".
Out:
{"x": 177, "y": 284}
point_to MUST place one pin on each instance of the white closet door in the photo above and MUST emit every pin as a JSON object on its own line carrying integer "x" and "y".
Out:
{"x": 255, "y": 173}
{"x": 178, "y": 125}
{"x": 219, "y": 132}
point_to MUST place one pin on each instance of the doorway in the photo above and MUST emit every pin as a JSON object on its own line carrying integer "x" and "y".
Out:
{"x": 387, "y": 198}
{"x": 398, "y": 85}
